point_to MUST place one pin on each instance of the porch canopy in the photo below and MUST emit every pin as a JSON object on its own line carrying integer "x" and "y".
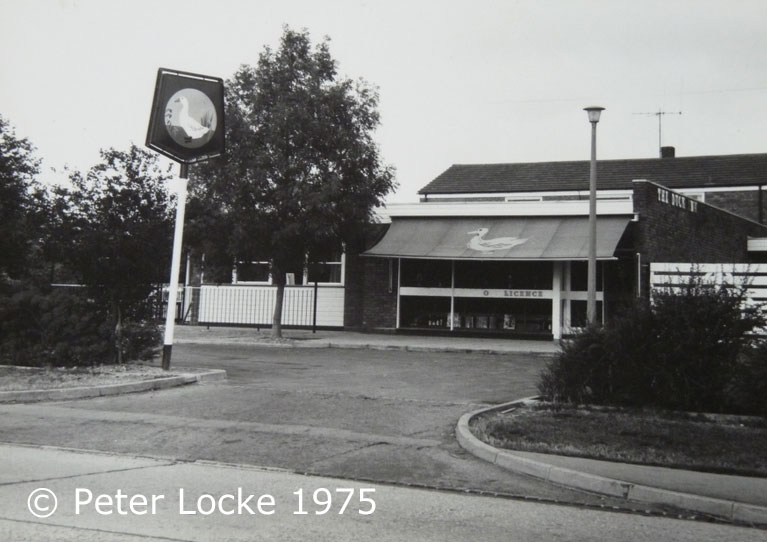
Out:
{"x": 499, "y": 238}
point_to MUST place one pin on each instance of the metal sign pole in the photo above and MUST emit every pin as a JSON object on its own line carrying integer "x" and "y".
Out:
{"x": 170, "y": 313}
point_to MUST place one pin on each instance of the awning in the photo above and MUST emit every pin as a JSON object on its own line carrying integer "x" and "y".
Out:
{"x": 499, "y": 238}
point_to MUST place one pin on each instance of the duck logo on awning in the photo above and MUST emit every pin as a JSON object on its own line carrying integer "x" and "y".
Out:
{"x": 480, "y": 244}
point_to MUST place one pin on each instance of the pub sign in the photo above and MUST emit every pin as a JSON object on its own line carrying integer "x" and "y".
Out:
{"x": 187, "y": 119}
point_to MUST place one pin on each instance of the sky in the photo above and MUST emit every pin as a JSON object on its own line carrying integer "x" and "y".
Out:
{"x": 459, "y": 82}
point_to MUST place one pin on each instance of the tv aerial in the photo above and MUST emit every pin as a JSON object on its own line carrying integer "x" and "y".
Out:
{"x": 660, "y": 113}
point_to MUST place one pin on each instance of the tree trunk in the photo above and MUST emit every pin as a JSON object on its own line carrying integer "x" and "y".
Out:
{"x": 279, "y": 279}
{"x": 118, "y": 332}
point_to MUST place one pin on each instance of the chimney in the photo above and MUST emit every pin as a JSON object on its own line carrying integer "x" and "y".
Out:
{"x": 667, "y": 152}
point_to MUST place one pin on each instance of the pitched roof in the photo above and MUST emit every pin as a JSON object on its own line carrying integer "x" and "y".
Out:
{"x": 680, "y": 172}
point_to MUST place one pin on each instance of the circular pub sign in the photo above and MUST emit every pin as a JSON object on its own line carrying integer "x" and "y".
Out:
{"x": 187, "y": 120}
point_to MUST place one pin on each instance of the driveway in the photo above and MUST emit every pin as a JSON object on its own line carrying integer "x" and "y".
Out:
{"x": 380, "y": 416}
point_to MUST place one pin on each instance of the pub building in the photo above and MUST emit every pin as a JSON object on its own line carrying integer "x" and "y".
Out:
{"x": 501, "y": 249}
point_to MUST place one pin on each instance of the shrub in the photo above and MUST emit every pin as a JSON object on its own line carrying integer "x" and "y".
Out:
{"x": 140, "y": 340}
{"x": 748, "y": 392}
{"x": 60, "y": 327}
{"x": 569, "y": 377}
{"x": 699, "y": 333}
{"x": 689, "y": 349}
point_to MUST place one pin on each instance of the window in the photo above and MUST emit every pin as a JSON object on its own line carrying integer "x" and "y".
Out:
{"x": 326, "y": 264}
{"x": 523, "y": 198}
{"x": 579, "y": 276}
{"x": 578, "y": 313}
{"x": 257, "y": 272}
{"x": 427, "y": 273}
{"x": 503, "y": 275}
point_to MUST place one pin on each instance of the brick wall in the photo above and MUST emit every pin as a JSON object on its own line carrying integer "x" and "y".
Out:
{"x": 379, "y": 310}
{"x": 353, "y": 288}
{"x": 369, "y": 303}
{"x": 674, "y": 228}
{"x": 744, "y": 203}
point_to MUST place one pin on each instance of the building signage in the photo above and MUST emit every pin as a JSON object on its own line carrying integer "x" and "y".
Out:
{"x": 476, "y": 292}
{"x": 497, "y": 293}
{"x": 187, "y": 119}
{"x": 677, "y": 200}
{"x": 522, "y": 293}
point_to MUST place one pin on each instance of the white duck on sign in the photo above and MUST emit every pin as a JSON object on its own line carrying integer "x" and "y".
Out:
{"x": 480, "y": 244}
{"x": 193, "y": 129}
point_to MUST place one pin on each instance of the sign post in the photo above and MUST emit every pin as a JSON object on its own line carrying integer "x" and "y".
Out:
{"x": 187, "y": 125}
{"x": 178, "y": 236}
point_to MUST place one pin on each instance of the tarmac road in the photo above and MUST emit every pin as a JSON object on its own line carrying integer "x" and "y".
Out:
{"x": 368, "y": 415}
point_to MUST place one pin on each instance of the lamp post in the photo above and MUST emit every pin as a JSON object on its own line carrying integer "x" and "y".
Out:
{"x": 591, "y": 301}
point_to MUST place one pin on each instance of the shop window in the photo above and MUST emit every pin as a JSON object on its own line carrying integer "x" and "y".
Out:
{"x": 427, "y": 273}
{"x": 578, "y": 313}
{"x": 425, "y": 312}
{"x": 503, "y": 315}
{"x": 504, "y": 275}
{"x": 579, "y": 276}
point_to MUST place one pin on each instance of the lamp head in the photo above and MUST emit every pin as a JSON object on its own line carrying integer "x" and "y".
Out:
{"x": 594, "y": 111}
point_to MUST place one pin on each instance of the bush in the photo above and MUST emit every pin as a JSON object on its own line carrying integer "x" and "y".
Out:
{"x": 570, "y": 377}
{"x": 140, "y": 340}
{"x": 688, "y": 350}
{"x": 60, "y": 327}
{"x": 748, "y": 394}
{"x": 699, "y": 334}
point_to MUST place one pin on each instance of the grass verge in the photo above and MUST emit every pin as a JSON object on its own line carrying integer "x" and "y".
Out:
{"x": 723, "y": 444}
{"x": 34, "y": 378}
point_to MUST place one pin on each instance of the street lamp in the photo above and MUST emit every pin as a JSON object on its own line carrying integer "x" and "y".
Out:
{"x": 591, "y": 301}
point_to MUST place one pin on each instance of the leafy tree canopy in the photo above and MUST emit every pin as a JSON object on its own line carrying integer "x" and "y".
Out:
{"x": 117, "y": 219}
{"x": 18, "y": 192}
{"x": 301, "y": 166}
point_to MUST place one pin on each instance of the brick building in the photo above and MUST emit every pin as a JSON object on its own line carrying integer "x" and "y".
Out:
{"x": 502, "y": 248}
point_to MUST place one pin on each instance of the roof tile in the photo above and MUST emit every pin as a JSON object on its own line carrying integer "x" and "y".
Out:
{"x": 680, "y": 172}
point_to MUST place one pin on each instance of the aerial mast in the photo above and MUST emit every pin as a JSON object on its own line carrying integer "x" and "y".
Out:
{"x": 659, "y": 113}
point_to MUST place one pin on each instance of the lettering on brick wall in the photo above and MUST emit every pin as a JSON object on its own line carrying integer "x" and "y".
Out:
{"x": 677, "y": 200}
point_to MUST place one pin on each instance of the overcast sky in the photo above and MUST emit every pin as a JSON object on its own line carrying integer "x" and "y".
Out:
{"x": 460, "y": 81}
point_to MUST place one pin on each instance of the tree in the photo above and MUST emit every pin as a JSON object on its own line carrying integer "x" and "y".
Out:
{"x": 18, "y": 191}
{"x": 118, "y": 221}
{"x": 301, "y": 167}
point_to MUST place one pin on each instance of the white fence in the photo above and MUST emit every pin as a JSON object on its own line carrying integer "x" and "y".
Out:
{"x": 754, "y": 276}
{"x": 254, "y": 305}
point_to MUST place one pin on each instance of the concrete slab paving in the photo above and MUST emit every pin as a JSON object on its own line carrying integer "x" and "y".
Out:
{"x": 210, "y": 501}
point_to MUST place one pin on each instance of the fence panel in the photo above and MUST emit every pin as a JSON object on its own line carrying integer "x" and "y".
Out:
{"x": 754, "y": 276}
{"x": 254, "y": 305}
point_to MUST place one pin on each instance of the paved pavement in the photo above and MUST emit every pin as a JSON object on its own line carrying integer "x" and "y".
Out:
{"x": 350, "y": 339}
{"x": 732, "y": 497}
{"x": 739, "y": 498}
{"x": 378, "y": 415}
{"x": 62, "y": 495}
